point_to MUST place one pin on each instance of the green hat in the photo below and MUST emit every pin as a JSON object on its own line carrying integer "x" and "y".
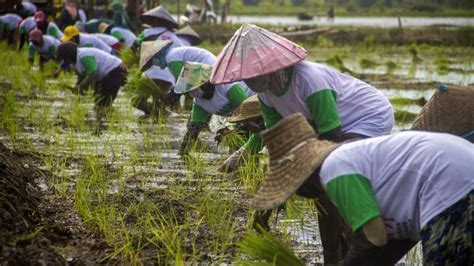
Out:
{"x": 192, "y": 76}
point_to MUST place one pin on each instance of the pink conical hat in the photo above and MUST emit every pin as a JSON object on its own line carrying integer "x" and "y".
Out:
{"x": 252, "y": 52}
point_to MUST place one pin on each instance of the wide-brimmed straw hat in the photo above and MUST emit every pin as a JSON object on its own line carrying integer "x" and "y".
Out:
{"x": 192, "y": 76}
{"x": 150, "y": 49}
{"x": 249, "y": 109}
{"x": 294, "y": 154}
{"x": 254, "y": 51}
{"x": 189, "y": 34}
{"x": 159, "y": 17}
{"x": 448, "y": 111}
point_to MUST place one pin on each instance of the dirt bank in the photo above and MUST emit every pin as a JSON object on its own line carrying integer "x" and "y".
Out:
{"x": 37, "y": 227}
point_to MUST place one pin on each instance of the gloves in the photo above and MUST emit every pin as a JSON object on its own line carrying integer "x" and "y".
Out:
{"x": 190, "y": 136}
{"x": 234, "y": 161}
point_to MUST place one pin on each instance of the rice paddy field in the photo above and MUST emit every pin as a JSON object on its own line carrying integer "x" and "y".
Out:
{"x": 124, "y": 196}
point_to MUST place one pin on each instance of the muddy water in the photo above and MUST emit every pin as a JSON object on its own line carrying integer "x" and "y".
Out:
{"x": 147, "y": 153}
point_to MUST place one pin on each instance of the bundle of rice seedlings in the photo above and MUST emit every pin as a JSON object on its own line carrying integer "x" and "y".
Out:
{"x": 266, "y": 248}
{"x": 129, "y": 58}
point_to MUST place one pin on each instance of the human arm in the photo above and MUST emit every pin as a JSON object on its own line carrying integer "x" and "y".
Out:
{"x": 23, "y": 37}
{"x": 236, "y": 95}
{"x": 140, "y": 39}
{"x": 90, "y": 72}
{"x": 323, "y": 108}
{"x": 198, "y": 120}
{"x": 53, "y": 31}
{"x": 270, "y": 115}
{"x": 31, "y": 54}
{"x": 118, "y": 36}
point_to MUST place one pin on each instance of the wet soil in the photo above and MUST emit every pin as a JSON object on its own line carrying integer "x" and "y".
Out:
{"x": 36, "y": 226}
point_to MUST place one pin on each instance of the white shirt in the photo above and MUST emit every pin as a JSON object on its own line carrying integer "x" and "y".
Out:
{"x": 28, "y": 24}
{"x": 105, "y": 62}
{"x": 190, "y": 54}
{"x": 10, "y": 19}
{"x": 48, "y": 42}
{"x": 29, "y": 6}
{"x": 164, "y": 35}
{"x": 128, "y": 36}
{"x": 155, "y": 72}
{"x": 220, "y": 98}
{"x": 87, "y": 39}
{"x": 362, "y": 108}
{"x": 82, "y": 15}
{"x": 107, "y": 39}
{"x": 53, "y": 25}
{"x": 414, "y": 175}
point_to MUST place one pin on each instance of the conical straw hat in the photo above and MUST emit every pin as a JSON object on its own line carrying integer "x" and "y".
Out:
{"x": 189, "y": 34}
{"x": 159, "y": 17}
{"x": 254, "y": 51}
{"x": 148, "y": 50}
{"x": 294, "y": 154}
{"x": 450, "y": 111}
{"x": 192, "y": 76}
{"x": 249, "y": 109}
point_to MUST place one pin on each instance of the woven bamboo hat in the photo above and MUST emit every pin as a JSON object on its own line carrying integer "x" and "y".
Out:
{"x": 294, "y": 154}
{"x": 252, "y": 52}
{"x": 249, "y": 109}
{"x": 192, "y": 76}
{"x": 150, "y": 49}
{"x": 159, "y": 17}
{"x": 448, "y": 111}
{"x": 189, "y": 34}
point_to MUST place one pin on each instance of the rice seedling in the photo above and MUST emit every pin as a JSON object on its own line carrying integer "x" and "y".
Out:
{"x": 402, "y": 116}
{"x": 366, "y": 63}
{"x": 267, "y": 249}
{"x": 390, "y": 67}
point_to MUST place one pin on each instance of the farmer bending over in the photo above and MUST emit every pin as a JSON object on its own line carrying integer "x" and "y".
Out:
{"x": 44, "y": 45}
{"x": 95, "y": 68}
{"x": 71, "y": 33}
{"x": 392, "y": 190}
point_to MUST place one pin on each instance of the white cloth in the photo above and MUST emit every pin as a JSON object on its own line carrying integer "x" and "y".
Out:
{"x": 48, "y": 42}
{"x": 28, "y": 24}
{"x": 164, "y": 35}
{"x": 29, "y": 6}
{"x": 82, "y": 15}
{"x": 105, "y": 62}
{"x": 87, "y": 39}
{"x": 414, "y": 175}
{"x": 52, "y": 25}
{"x": 190, "y": 54}
{"x": 107, "y": 39}
{"x": 11, "y": 19}
{"x": 155, "y": 72}
{"x": 184, "y": 41}
{"x": 128, "y": 36}
{"x": 220, "y": 99}
{"x": 362, "y": 108}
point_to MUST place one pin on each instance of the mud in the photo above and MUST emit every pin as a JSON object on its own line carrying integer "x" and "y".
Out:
{"x": 36, "y": 226}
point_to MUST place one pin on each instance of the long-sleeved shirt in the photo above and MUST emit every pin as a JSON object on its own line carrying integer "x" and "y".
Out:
{"x": 158, "y": 34}
{"x": 47, "y": 51}
{"x": 329, "y": 99}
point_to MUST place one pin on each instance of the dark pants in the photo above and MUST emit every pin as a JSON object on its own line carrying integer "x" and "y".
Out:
{"x": 106, "y": 89}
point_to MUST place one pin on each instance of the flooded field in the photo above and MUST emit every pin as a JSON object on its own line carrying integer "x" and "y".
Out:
{"x": 130, "y": 187}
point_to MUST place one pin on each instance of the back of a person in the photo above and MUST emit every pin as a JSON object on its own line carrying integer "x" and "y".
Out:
{"x": 48, "y": 42}
{"x": 363, "y": 109}
{"x": 105, "y": 62}
{"x": 107, "y": 39}
{"x": 86, "y": 40}
{"x": 191, "y": 54}
{"x": 11, "y": 20}
{"x": 128, "y": 36}
{"x": 411, "y": 174}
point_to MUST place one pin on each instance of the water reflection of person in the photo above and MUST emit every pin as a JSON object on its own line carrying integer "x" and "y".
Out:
{"x": 330, "y": 13}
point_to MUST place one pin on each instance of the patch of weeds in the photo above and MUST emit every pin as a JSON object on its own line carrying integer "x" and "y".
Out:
{"x": 402, "y": 116}
{"x": 413, "y": 50}
{"x": 366, "y": 63}
{"x": 337, "y": 62}
{"x": 390, "y": 67}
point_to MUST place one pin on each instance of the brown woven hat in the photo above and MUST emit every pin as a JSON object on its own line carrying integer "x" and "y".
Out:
{"x": 249, "y": 109}
{"x": 148, "y": 50}
{"x": 294, "y": 154}
{"x": 449, "y": 111}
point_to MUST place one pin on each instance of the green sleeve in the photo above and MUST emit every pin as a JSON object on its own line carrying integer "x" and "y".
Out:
{"x": 323, "y": 108}
{"x": 90, "y": 65}
{"x": 270, "y": 115}
{"x": 199, "y": 115}
{"x": 118, "y": 36}
{"x": 53, "y": 31}
{"x": 31, "y": 52}
{"x": 236, "y": 95}
{"x": 88, "y": 45}
{"x": 175, "y": 68}
{"x": 140, "y": 39}
{"x": 52, "y": 51}
{"x": 352, "y": 195}
{"x": 22, "y": 30}
{"x": 254, "y": 144}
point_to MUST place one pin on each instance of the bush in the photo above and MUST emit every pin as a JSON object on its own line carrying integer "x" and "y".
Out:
{"x": 251, "y": 2}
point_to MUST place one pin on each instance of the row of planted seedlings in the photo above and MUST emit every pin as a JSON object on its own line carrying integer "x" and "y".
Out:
{"x": 128, "y": 183}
